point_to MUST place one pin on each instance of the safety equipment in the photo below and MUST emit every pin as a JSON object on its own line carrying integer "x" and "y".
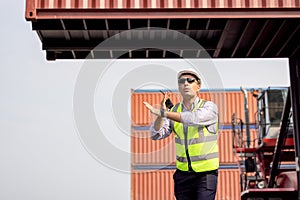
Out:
{"x": 192, "y": 72}
{"x": 196, "y": 147}
{"x": 168, "y": 102}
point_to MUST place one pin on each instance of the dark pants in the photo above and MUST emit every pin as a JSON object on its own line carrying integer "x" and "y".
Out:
{"x": 195, "y": 186}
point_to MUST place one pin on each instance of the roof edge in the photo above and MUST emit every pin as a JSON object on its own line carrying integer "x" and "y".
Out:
{"x": 33, "y": 13}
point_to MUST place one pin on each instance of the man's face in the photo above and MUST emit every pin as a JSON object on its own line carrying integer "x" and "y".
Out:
{"x": 188, "y": 85}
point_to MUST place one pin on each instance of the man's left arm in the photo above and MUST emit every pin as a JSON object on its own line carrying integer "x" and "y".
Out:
{"x": 205, "y": 116}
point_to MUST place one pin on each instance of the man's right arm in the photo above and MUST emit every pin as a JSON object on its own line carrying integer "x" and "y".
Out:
{"x": 160, "y": 128}
{"x": 158, "y": 123}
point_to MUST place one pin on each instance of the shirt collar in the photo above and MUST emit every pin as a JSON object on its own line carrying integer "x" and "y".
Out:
{"x": 195, "y": 103}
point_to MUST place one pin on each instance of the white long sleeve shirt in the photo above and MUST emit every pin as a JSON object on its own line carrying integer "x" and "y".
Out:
{"x": 205, "y": 116}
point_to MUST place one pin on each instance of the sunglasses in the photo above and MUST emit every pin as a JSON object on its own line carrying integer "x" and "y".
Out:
{"x": 189, "y": 80}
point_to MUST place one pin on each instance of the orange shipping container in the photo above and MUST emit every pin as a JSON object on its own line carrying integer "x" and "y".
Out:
{"x": 228, "y": 102}
{"x": 145, "y": 151}
{"x": 159, "y": 185}
{"x": 229, "y": 185}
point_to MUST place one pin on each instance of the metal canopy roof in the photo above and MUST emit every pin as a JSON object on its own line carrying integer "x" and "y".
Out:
{"x": 221, "y": 38}
{"x": 71, "y": 29}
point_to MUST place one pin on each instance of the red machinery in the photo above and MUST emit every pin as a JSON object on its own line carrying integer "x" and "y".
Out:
{"x": 267, "y": 161}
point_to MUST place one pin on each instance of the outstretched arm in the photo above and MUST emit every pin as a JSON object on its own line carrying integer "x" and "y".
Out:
{"x": 161, "y": 113}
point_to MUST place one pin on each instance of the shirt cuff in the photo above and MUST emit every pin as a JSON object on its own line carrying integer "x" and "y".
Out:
{"x": 162, "y": 131}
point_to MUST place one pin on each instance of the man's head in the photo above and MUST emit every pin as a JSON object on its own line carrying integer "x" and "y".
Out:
{"x": 189, "y": 82}
{"x": 189, "y": 72}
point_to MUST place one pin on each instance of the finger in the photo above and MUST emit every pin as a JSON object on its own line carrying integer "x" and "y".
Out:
{"x": 166, "y": 96}
{"x": 163, "y": 102}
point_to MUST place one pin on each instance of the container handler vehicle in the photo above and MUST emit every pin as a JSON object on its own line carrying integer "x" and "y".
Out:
{"x": 266, "y": 159}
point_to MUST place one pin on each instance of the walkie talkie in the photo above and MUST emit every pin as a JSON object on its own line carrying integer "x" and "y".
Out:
{"x": 168, "y": 102}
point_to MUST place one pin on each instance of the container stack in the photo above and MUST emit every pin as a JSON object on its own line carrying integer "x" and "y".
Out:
{"x": 153, "y": 162}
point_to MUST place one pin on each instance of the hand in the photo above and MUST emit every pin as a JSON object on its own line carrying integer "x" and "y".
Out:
{"x": 163, "y": 102}
{"x": 153, "y": 110}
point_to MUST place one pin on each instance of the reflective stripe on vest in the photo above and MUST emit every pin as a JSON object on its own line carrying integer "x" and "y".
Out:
{"x": 202, "y": 145}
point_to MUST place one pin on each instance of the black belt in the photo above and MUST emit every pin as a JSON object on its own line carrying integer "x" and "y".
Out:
{"x": 191, "y": 171}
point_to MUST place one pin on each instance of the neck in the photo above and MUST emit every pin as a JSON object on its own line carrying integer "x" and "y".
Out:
{"x": 188, "y": 101}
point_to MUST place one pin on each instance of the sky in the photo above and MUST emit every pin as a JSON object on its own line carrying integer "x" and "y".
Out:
{"x": 51, "y": 111}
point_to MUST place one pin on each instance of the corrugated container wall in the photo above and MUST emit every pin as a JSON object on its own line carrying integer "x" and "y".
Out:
{"x": 149, "y": 159}
{"x": 228, "y": 102}
{"x": 145, "y": 151}
{"x": 158, "y": 185}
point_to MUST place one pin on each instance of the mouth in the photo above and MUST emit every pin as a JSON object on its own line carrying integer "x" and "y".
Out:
{"x": 186, "y": 89}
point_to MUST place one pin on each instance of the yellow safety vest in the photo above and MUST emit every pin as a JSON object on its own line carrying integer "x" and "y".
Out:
{"x": 197, "y": 149}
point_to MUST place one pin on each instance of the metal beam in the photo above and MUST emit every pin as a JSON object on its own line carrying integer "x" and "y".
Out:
{"x": 280, "y": 140}
{"x": 273, "y": 38}
{"x": 237, "y": 13}
{"x": 241, "y": 38}
{"x": 66, "y": 32}
{"x": 295, "y": 51}
{"x": 187, "y": 24}
{"x": 73, "y": 54}
{"x": 287, "y": 41}
{"x": 294, "y": 64}
{"x": 222, "y": 39}
{"x": 257, "y": 38}
{"x": 207, "y": 24}
{"x": 82, "y": 45}
{"x": 86, "y": 34}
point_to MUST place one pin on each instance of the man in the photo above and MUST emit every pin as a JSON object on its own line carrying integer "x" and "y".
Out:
{"x": 194, "y": 122}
